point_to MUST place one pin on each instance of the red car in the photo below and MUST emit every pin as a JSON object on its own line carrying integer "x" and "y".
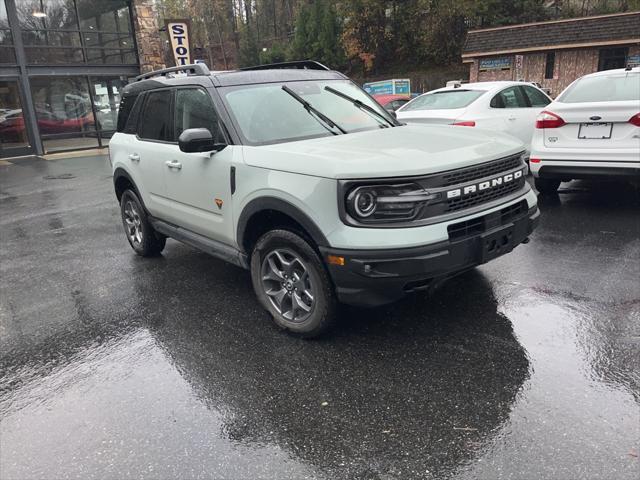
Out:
{"x": 391, "y": 102}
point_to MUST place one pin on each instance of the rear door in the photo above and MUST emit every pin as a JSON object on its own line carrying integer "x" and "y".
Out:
{"x": 596, "y": 111}
{"x": 148, "y": 149}
{"x": 509, "y": 113}
{"x": 199, "y": 184}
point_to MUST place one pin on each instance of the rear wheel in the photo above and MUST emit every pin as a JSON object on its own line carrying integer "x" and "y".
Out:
{"x": 144, "y": 240}
{"x": 547, "y": 185}
{"x": 292, "y": 283}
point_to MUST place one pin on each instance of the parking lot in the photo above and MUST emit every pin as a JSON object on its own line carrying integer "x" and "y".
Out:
{"x": 115, "y": 366}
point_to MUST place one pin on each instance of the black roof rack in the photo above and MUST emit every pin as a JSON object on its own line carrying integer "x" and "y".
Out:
{"x": 298, "y": 65}
{"x": 195, "y": 69}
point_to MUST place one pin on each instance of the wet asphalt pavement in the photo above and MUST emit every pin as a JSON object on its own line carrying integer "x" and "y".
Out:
{"x": 115, "y": 366}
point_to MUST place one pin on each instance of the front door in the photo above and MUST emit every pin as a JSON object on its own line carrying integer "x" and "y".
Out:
{"x": 199, "y": 184}
{"x": 14, "y": 133}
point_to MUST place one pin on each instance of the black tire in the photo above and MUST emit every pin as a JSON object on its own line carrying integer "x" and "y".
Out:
{"x": 547, "y": 185}
{"x": 307, "y": 284}
{"x": 144, "y": 240}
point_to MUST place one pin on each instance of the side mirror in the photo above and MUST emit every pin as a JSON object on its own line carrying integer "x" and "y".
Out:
{"x": 198, "y": 140}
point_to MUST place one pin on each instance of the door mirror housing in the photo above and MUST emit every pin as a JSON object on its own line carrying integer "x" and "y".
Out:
{"x": 195, "y": 140}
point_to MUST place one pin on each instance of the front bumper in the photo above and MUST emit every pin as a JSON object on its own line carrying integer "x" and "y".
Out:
{"x": 371, "y": 278}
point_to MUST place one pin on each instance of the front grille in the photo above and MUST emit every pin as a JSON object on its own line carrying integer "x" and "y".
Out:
{"x": 480, "y": 171}
{"x": 471, "y": 200}
{"x": 487, "y": 222}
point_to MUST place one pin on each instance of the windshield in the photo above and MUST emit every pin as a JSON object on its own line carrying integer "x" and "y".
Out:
{"x": 605, "y": 88}
{"x": 445, "y": 100}
{"x": 268, "y": 114}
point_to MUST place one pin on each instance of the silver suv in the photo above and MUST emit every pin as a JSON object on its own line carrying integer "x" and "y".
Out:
{"x": 294, "y": 172}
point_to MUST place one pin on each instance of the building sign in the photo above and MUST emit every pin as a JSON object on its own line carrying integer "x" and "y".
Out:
{"x": 502, "y": 63}
{"x": 396, "y": 86}
{"x": 519, "y": 66}
{"x": 178, "y": 31}
{"x": 633, "y": 61}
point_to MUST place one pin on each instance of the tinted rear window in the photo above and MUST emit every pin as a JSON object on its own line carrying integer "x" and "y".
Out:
{"x": 606, "y": 88}
{"x": 448, "y": 99}
{"x": 155, "y": 123}
{"x": 126, "y": 104}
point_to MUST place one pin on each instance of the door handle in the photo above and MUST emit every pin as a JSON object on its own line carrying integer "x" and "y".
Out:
{"x": 134, "y": 157}
{"x": 174, "y": 164}
{"x": 511, "y": 118}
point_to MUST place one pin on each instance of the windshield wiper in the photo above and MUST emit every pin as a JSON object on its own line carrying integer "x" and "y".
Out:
{"x": 362, "y": 106}
{"x": 315, "y": 113}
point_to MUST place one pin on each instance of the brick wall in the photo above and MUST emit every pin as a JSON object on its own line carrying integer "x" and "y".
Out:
{"x": 569, "y": 65}
{"x": 150, "y": 51}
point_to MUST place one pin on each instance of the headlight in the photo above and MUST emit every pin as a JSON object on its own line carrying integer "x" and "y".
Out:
{"x": 386, "y": 203}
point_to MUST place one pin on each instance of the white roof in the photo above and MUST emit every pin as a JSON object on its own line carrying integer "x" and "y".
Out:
{"x": 614, "y": 71}
{"x": 486, "y": 86}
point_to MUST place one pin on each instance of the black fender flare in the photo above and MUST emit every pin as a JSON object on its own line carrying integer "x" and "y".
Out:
{"x": 277, "y": 204}
{"x": 122, "y": 173}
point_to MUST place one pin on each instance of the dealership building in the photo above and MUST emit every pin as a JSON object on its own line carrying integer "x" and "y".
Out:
{"x": 553, "y": 53}
{"x": 62, "y": 66}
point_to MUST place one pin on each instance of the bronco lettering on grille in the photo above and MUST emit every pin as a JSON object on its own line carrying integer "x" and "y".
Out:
{"x": 486, "y": 185}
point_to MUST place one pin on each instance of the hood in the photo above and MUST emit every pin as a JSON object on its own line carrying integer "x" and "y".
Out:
{"x": 391, "y": 152}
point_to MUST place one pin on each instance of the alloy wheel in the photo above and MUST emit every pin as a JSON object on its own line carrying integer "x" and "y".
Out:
{"x": 288, "y": 285}
{"x": 133, "y": 222}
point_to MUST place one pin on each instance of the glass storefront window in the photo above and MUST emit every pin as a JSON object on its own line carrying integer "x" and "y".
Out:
{"x": 106, "y": 56}
{"x": 47, "y": 14}
{"x": 7, "y": 52}
{"x": 107, "y": 40}
{"x": 53, "y": 56}
{"x": 106, "y": 100}
{"x": 101, "y": 35}
{"x": 104, "y": 15}
{"x": 51, "y": 38}
{"x": 13, "y": 132}
{"x": 63, "y": 111}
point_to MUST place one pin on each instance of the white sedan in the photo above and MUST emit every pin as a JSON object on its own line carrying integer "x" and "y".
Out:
{"x": 510, "y": 107}
{"x": 591, "y": 130}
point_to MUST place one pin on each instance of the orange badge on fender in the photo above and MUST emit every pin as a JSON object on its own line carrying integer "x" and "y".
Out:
{"x": 219, "y": 203}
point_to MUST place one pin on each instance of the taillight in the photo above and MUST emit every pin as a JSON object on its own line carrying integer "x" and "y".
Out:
{"x": 467, "y": 123}
{"x": 549, "y": 120}
{"x": 635, "y": 120}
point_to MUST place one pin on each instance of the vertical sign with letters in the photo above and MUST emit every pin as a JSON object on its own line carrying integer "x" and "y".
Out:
{"x": 178, "y": 31}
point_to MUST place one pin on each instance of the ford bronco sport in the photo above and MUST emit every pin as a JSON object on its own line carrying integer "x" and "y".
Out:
{"x": 294, "y": 172}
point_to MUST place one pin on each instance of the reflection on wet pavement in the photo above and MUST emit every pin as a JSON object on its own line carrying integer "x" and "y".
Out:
{"x": 113, "y": 366}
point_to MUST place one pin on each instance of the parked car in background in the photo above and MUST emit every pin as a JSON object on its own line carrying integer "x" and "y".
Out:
{"x": 591, "y": 130}
{"x": 510, "y": 107}
{"x": 391, "y": 102}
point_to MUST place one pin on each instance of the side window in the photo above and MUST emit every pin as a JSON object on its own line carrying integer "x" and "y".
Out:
{"x": 511, "y": 97}
{"x": 124, "y": 112}
{"x": 155, "y": 120}
{"x": 536, "y": 97}
{"x": 195, "y": 109}
{"x": 132, "y": 122}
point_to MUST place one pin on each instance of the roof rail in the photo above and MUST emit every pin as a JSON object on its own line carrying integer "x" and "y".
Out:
{"x": 195, "y": 69}
{"x": 298, "y": 64}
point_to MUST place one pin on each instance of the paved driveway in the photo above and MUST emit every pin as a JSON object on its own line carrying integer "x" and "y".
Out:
{"x": 114, "y": 366}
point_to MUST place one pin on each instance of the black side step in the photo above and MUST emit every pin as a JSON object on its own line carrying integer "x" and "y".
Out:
{"x": 207, "y": 245}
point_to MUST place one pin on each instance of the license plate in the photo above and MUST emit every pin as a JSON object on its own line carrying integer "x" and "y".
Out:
{"x": 496, "y": 243}
{"x": 595, "y": 130}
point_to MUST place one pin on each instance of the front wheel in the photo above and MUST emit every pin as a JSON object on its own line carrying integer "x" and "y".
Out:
{"x": 144, "y": 240}
{"x": 547, "y": 185}
{"x": 292, "y": 284}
